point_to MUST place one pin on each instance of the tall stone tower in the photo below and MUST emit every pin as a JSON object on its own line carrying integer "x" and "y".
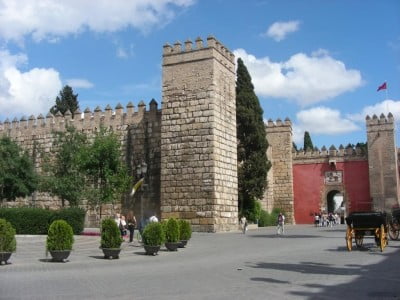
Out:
{"x": 279, "y": 192}
{"x": 382, "y": 162}
{"x": 198, "y": 136}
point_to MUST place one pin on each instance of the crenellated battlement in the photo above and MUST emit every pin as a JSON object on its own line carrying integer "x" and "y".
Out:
{"x": 338, "y": 154}
{"x": 189, "y": 47}
{"x": 278, "y": 125}
{"x": 198, "y": 51}
{"x": 86, "y": 120}
{"x": 383, "y": 123}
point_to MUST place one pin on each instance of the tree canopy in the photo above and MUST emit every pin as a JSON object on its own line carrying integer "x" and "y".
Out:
{"x": 62, "y": 175}
{"x": 17, "y": 173}
{"x": 308, "y": 144}
{"x": 65, "y": 101}
{"x": 106, "y": 176}
{"x": 253, "y": 164}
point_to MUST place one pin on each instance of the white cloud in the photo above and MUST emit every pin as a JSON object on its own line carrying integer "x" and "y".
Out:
{"x": 279, "y": 30}
{"x": 321, "y": 121}
{"x": 79, "y": 83}
{"x": 27, "y": 93}
{"x": 47, "y": 19}
{"x": 305, "y": 79}
{"x": 384, "y": 107}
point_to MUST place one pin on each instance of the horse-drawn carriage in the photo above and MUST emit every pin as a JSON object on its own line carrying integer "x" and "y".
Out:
{"x": 394, "y": 225}
{"x": 361, "y": 224}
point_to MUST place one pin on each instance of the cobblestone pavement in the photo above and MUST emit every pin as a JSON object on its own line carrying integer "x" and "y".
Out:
{"x": 306, "y": 263}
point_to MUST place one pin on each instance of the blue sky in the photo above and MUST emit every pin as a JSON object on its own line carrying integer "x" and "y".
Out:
{"x": 317, "y": 62}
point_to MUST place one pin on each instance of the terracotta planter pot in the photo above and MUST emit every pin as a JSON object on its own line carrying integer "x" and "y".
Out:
{"x": 111, "y": 252}
{"x": 151, "y": 250}
{"x": 5, "y": 256}
{"x": 59, "y": 255}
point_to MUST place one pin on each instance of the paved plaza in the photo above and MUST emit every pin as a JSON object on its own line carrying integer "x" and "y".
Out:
{"x": 306, "y": 263}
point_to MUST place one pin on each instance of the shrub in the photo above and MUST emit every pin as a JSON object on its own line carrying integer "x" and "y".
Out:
{"x": 268, "y": 219}
{"x": 153, "y": 234}
{"x": 185, "y": 230}
{"x": 60, "y": 236}
{"x": 264, "y": 219}
{"x": 110, "y": 234}
{"x": 28, "y": 220}
{"x": 74, "y": 216}
{"x": 7, "y": 237}
{"x": 172, "y": 231}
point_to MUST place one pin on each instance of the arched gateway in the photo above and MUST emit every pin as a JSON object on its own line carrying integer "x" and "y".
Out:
{"x": 366, "y": 179}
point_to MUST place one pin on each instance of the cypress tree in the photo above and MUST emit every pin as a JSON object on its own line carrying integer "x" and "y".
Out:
{"x": 253, "y": 164}
{"x": 308, "y": 144}
{"x": 66, "y": 100}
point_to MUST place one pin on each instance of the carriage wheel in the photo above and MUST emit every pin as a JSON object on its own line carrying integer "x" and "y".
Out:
{"x": 349, "y": 237}
{"x": 359, "y": 238}
{"x": 382, "y": 237}
{"x": 394, "y": 231}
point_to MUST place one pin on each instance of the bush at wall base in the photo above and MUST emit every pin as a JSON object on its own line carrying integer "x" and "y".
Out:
{"x": 8, "y": 244}
{"x": 111, "y": 239}
{"x": 153, "y": 237}
{"x": 185, "y": 232}
{"x": 172, "y": 234}
{"x": 60, "y": 239}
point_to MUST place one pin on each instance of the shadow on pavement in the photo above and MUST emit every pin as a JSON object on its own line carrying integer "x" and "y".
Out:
{"x": 308, "y": 268}
{"x": 285, "y": 236}
{"x": 270, "y": 280}
{"x": 375, "y": 281}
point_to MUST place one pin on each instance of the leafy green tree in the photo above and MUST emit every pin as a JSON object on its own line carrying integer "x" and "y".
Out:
{"x": 63, "y": 177}
{"x": 107, "y": 177}
{"x": 17, "y": 172}
{"x": 308, "y": 144}
{"x": 253, "y": 164}
{"x": 66, "y": 100}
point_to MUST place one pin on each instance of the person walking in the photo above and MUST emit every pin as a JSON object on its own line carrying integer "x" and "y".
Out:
{"x": 281, "y": 224}
{"x": 122, "y": 226}
{"x": 131, "y": 220}
{"x": 243, "y": 223}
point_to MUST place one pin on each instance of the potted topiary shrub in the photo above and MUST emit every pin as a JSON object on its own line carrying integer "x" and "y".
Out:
{"x": 111, "y": 239}
{"x": 153, "y": 237}
{"x": 60, "y": 239}
{"x": 172, "y": 234}
{"x": 185, "y": 232}
{"x": 8, "y": 244}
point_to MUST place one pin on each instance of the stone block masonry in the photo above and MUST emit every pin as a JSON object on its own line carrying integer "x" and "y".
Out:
{"x": 198, "y": 136}
{"x": 139, "y": 135}
{"x": 382, "y": 162}
{"x": 279, "y": 192}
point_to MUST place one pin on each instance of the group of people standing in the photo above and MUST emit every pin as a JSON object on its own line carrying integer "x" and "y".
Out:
{"x": 129, "y": 223}
{"x": 323, "y": 219}
{"x": 126, "y": 224}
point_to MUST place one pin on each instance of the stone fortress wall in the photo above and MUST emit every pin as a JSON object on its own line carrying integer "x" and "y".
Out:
{"x": 136, "y": 130}
{"x": 189, "y": 145}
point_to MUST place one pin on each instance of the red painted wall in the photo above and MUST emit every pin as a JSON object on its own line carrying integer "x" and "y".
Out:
{"x": 308, "y": 186}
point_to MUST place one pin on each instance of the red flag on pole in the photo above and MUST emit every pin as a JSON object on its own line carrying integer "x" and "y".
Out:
{"x": 382, "y": 87}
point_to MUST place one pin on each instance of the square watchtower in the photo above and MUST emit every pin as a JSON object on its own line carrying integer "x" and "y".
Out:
{"x": 198, "y": 136}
